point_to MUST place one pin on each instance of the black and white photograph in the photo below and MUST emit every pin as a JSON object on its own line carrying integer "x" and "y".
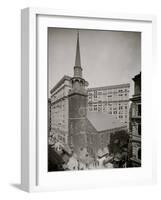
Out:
{"x": 94, "y": 99}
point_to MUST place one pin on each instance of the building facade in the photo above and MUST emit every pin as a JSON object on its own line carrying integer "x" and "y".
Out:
{"x": 135, "y": 122}
{"x": 59, "y": 110}
{"x": 111, "y": 99}
{"x": 49, "y": 116}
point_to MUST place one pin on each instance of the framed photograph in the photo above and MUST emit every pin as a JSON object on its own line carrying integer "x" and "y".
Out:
{"x": 86, "y": 114}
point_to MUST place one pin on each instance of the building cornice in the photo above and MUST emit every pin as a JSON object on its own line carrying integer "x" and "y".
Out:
{"x": 136, "y": 97}
{"x": 127, "y": 85}
{"x": 65, "y": 77}
{"x": 57, "y": 91}
{"x": 77, "y": 93}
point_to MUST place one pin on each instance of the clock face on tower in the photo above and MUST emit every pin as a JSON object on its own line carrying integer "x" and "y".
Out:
{"x": 82, "y": 111}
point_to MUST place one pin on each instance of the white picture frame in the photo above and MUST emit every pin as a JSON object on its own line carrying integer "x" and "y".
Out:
{"x": 34, "y": 22}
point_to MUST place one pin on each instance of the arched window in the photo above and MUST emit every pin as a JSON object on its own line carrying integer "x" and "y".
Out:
{"x": 139, "y": 153}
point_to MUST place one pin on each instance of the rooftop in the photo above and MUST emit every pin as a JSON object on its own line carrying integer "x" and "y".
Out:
{"x": 103, "y": 121}
{"x": 137, "y": 77}
{"x": 127, "y": 85}
{"x": 65, "y": 77}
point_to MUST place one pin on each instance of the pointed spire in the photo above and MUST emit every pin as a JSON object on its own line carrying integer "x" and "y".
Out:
{"x": 77, "y": 58}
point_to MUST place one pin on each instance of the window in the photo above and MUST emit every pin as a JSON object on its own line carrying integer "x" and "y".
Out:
{"x": 139, "y": 129}
{"x": 99, "y": 108}
{"x": 139, "y": 153}
{"x": 90, "y": 108}
{"x": 139, "y": 109}
{"x": 95, "y": 94}
{"x": 90, "y": 93}
{"x": 95, "y": 107}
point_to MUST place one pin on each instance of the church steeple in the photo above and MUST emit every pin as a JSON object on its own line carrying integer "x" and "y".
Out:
{"x": 77, "y": 67}
{"x": 77, "y": 97}
{"x": 77, "y": 57}
{"x": 78, "y": 82}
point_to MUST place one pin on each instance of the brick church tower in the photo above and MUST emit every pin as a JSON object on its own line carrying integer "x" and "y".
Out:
{"x": 78, "y": 106}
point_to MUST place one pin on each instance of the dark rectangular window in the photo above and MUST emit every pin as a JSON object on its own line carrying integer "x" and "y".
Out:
{"x": 139, "y": 110}
{"x": 139, "y": 129}
{"x": 95, "y": 94}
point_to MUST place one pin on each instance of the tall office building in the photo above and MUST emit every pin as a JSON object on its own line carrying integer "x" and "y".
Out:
{"x": 59, "y": 110}
{"x": 135, "y": 122}
{"x": 111, "y": 99}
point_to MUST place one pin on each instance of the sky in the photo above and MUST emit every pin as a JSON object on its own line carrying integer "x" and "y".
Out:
{"x": 107, "y": 57}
